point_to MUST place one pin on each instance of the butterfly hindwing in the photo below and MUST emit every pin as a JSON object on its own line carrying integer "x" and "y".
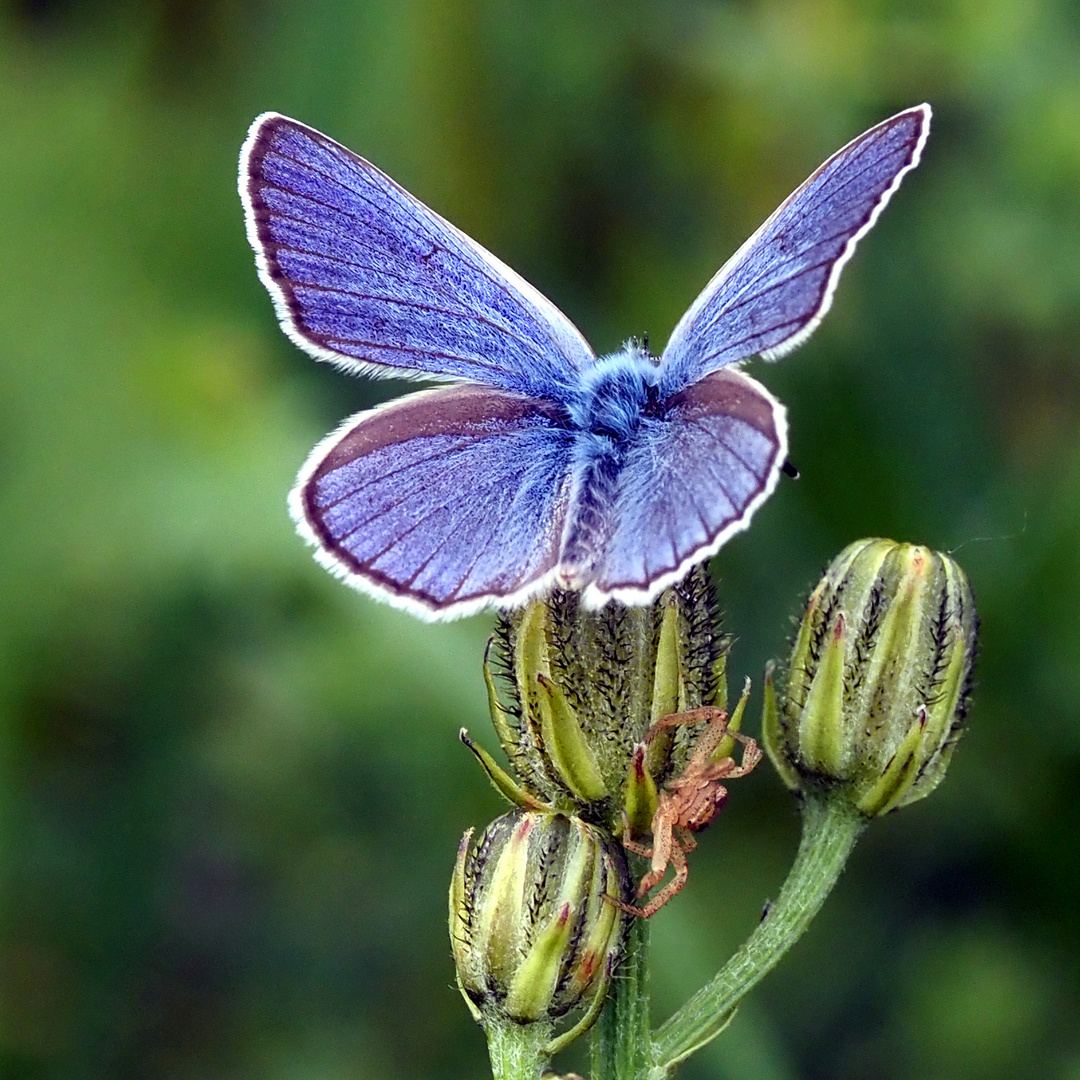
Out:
{"x": 690, "y": 480}
{"x": 366, "y": 276}
{"x": 442, "y": 502}
{"x": 772, "y": 293}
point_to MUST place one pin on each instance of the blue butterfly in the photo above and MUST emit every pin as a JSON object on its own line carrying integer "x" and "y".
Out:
{"x": 541, "y": 466}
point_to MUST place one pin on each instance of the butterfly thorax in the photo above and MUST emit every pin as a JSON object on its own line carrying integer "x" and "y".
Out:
{"x": 618, "y": 391}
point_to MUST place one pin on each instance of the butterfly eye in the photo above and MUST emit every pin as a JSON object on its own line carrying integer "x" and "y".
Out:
{"x": 653, "y": 407}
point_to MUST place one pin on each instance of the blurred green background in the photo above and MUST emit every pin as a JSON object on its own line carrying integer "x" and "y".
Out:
{"x": 231, "y": 790}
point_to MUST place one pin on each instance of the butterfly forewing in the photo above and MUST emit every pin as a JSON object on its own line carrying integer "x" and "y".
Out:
{"x": 771, "y": 295}
{"x": 442, "y": 502}
{"x": 691, "y": 480}
{"x": 367, "y": 276}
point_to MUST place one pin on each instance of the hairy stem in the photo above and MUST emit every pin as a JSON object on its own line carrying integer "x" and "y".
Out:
{"x": 517, "y": 1050}
{"x": 621, "y": 1046}
{"x": 830, "y": 828}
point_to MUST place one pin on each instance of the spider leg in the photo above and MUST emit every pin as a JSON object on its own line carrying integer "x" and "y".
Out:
{"x": 674, "y": 886}
{"x": 686, "y": 843}
{"x": 638, "y": 849}
{"x": 714, "y": 734}
{"x": 682, "y": 871}
{"x": 663, "y": 846}
{"x": 702, "y": 715}
{"x": 630, "y": 909}
{"x": 751, "y": 755}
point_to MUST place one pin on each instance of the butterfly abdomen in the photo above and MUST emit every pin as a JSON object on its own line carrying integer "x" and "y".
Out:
{"x": 597, "y": 463}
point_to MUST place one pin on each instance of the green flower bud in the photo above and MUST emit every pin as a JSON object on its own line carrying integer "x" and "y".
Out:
{"x": 879, "y": 679}
{"x": 586, "y": 686}
{"x": 532, "y": 933}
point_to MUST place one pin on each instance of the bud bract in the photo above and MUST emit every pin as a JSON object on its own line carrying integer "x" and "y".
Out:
{"x": 879, "y": 678}
{"x": 532, "y": 933}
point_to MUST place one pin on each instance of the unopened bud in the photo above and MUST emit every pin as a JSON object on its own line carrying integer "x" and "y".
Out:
{"x": 585, "y": 687}
{"x": 532, "y": 933}
{"x": 879, "y": 679}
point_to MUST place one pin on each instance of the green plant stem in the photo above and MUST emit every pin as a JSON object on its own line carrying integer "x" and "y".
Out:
{"x": 621, "y": 1043}
{"x": 517, "y": 1050}
{"x": 830, "y": 828}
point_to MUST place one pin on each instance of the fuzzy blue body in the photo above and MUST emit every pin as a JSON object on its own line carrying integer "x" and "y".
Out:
{"x": 617, "y": 392}
{"x": 619, "y": 395}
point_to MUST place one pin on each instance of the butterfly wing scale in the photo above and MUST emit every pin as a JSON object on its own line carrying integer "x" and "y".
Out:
{"x": 772, "y": 293}
{"x": 441, "y": 502}
{"x": 366, "y": 276}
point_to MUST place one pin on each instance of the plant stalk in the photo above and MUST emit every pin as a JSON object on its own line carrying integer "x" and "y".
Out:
{"x": 830, "y": 828}
{"x": 517, "y": 1050}
{"x": 621, "y": 1043}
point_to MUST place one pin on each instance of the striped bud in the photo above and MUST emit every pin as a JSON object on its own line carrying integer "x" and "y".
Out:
{"x": 584, "y": 688}
{"x": 532, "y": 933}
{"x": 879, "y": 679}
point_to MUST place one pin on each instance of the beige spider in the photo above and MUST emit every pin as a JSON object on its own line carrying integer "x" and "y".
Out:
{"x": 687, "y": 804}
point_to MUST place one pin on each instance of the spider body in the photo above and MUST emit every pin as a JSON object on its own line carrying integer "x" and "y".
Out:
{"x": 687, "y": 804}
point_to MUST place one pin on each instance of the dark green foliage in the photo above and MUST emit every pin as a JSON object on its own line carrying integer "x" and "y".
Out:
{"x": 231, "y": 791}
